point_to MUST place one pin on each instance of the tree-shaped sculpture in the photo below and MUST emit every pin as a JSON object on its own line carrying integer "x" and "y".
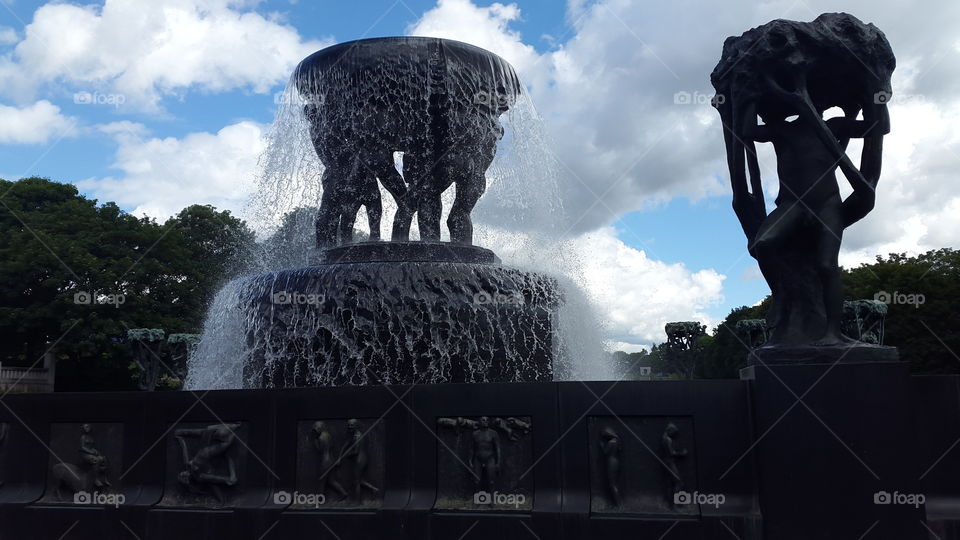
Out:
{"x": 683, "y": 346}
{"x": 789, "y": 73}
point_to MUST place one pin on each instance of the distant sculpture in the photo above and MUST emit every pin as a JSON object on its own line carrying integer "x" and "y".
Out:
{"x": 89, "y": 474}
{"x": 179, "y": 349}
{"x": 323, "y": 442}
{"x": 789, "y": 73}
{"x": 864, "y": 320}
{"x": 202, "y": 472}
{"x": 610, "y": 446}
{"x": 484, "y": 458}
{"x": 753, "y": 332}
{"x": 354, "y": 458}
{"x": 683, "y": 345}
{"x": 438, "y": 101}
{"x": 670, "y": 454}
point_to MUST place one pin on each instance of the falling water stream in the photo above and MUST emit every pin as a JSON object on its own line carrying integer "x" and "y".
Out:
{"x": 376, "y": 321}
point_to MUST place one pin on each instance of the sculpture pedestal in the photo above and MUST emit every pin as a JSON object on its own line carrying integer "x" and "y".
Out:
{"x": 834, "y": 446}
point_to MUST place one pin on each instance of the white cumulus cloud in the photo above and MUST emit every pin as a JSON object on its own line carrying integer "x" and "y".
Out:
{"x": 639, "y": 295}
{"x": 145, "y": 50}
{"x": 162, "y": 176}
{"x": 33, "y": 124}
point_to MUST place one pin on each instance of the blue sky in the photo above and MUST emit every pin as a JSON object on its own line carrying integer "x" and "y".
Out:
{"x": 602, "y": 74}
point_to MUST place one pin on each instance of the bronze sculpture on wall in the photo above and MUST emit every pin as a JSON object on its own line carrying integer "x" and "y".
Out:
{"x": 485, "y": 455}
{"x": 89, "y": 473}
{"x": 354, "y": 458}
{"x": 671, "y": 454}
{"x": 323, "y": 442}
{"x": 210, "y": 468}
{"x": 610, "y": 446}
{"x": 484, "y": 463}
{"x": 341, "y": 462}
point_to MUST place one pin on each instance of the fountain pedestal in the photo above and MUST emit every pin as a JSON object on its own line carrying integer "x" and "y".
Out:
{"x": 365, "y": 252}
{"x": 399, "y": 313}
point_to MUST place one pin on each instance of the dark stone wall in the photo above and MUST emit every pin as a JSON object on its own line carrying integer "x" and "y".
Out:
{"x": 577, "y": 461}
{"x": 936, "y": 436}
{"x": 426, "y": 469}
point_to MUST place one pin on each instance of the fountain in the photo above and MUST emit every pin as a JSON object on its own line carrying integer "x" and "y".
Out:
{"x": 399, "y": 311}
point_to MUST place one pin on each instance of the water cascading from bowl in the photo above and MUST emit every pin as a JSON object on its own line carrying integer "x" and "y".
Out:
{"x": 432, "y": 311}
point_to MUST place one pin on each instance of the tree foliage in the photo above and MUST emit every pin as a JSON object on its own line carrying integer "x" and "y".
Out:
{"x": 76, "y": 275}
{"x": 922, "y": 294}
{"x": 726, "y": 354}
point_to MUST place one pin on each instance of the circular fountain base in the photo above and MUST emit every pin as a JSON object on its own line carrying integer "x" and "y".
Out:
{"x": 399, "y": 313}
{"x": 366, "y": 252}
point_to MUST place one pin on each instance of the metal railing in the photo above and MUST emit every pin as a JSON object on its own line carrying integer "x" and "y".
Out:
{"x": 21, "y": 379}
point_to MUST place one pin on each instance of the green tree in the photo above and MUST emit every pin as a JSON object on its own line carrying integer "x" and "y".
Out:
{"x": 76, "y": 275}
{"x": 662, "y": 367}
{"x": 923, "y": 293}
{"x": 726, "y": 353}
{"x": 627, "y": 365}
{"x": 202, "y": 249}
{"x": 69, "y": 277}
